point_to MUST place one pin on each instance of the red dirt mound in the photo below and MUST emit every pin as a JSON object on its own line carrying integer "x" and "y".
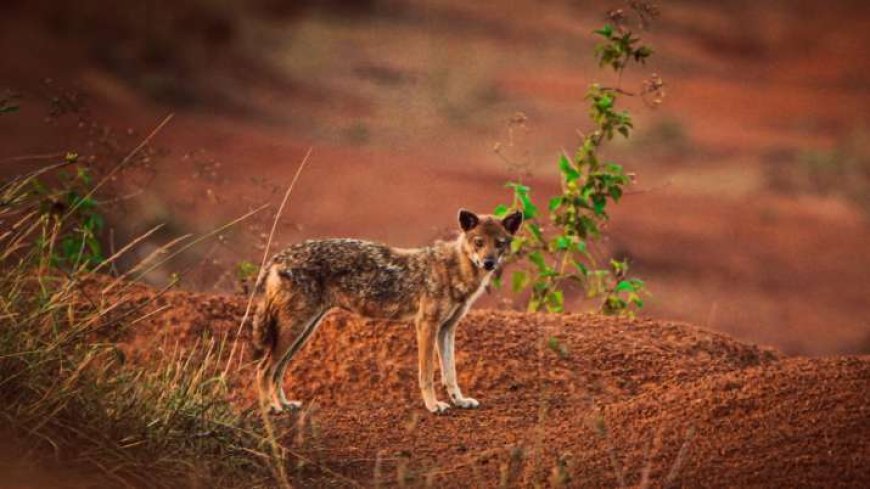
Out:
{"x": 576, "y": 400}
{"x": 795, "y": 423}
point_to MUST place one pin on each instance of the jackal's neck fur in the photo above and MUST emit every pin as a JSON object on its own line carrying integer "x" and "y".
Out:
{"x": 453, "y": 269}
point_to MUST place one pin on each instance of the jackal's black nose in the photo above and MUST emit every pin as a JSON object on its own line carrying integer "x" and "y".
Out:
{"x": 489, "y": 264}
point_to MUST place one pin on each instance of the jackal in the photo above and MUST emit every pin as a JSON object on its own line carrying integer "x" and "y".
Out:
{"x": 435, "y": 286}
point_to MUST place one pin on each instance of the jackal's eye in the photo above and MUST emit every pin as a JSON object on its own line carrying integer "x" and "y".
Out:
{"x": 478, "y": 242}
{"x": 502, "y": 243}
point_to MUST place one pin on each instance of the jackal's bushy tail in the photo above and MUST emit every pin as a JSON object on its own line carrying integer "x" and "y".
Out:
{"x": 263, "y": 323}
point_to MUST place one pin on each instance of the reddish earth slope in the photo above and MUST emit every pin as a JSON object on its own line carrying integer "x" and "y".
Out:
{"x": 606, "y": 400}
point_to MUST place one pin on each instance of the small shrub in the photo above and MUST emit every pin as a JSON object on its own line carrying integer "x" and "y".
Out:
{"x": 75, "y": 221}
{"x": 556, "y": 246}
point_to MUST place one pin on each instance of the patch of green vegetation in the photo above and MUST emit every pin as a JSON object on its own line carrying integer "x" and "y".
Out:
{"x": 556, "y": 247}
{"x": 75, "y": 221}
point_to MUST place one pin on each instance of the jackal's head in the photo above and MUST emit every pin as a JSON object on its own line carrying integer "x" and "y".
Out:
{"x": 487, "y": 239}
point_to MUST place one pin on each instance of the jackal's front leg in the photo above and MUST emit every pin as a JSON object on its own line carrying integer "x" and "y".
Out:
{"x": 446, "y": 341}
{"x": 427, "y": 330}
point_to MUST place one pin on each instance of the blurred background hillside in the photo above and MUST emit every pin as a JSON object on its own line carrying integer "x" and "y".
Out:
{"x": 751, "y": 212}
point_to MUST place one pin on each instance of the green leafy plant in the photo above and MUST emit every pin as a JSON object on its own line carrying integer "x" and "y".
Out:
{"x": 73, "y": 239}
{"x": 556, "y": 246}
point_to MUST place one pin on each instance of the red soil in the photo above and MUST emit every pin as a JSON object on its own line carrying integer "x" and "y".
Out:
{"x": 633, "y": 390}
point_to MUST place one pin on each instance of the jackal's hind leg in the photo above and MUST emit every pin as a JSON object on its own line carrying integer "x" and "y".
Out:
{"x": 263, "y": 343}
{"x": 294, "y": 330}
{"x": 427, "y": 330}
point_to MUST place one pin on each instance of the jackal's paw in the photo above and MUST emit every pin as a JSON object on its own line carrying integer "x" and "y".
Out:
{"x": 292, "y": 405}
{"x": 438, "y": 407}
{"x": 465, "y": 402}
{"x": 285, "y": 407}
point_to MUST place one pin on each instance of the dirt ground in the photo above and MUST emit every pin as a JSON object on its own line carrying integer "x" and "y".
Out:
{"x": 583, "y": 399}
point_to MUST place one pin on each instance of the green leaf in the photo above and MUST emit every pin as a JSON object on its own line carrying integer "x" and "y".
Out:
{"x": 530, "y": 210}
{"x": 606, "y": 31}
{"x": 536, "y": 232}
{"x": 605, "y": 102}
{"x": 94, "y": 247}
{"x": 615, "y": 169}
{"x": 501, "y": 210}
{"x": 615, "y": 193}
{"x": 598, "y": 204}
{"x": 556, "y": 301}
{"x": 624, "y": 285}
{"x": 555, "y": 203}
{"x": 568, "y": 170}
{"x": 619, "y": 266}
{"x": 518, "y": 187}
{"x": 538, "y": 259}
{"x": 69, "y": 246}
{"x": 521, "y": 192}
{"x": 562, "y": 243}
{"x": 519, "y": 280}
{"x": 517, "y": 244}
{"x": 94, "y": 222}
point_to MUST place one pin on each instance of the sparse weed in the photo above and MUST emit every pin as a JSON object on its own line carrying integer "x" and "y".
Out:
{"x": 74, "y": 217}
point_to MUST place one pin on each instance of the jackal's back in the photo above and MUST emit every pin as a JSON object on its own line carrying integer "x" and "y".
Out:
{"x": 369, "y": 278}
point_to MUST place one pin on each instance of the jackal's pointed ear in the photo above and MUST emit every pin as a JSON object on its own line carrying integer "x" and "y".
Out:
{"x": 467, "y": 220}
{"x": 513, "y": 221}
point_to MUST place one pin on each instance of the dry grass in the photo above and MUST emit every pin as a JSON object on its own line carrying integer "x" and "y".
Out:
{"x": 66, "y": 388}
